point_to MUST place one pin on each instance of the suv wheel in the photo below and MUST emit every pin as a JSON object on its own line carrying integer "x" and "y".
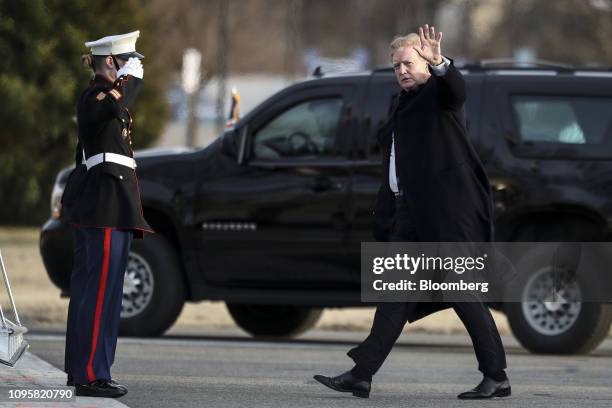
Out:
{"x": 153, "y": 288}
{"x": 557, "y": 326}
{"x": 276, "y": 321}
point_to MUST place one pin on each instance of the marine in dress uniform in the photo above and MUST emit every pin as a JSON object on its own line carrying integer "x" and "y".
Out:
{"x": 102, "y": 203}
{"x": 434, "y": 189}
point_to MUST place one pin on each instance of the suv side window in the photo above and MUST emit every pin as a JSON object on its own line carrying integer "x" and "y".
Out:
{"x": 305, "y": 130}
{"x": 382, "y": 92}
{"x": 561, "y": 119}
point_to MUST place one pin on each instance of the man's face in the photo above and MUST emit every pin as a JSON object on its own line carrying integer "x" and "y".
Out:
{"x": 410, "y": 69}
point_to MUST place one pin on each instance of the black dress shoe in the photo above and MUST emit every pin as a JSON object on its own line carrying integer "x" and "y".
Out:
{"x": 70, "y": 383}
{"x": 101, "y": 388}
{"x": 488, "y": 388}
{"x": 346, "y": 382}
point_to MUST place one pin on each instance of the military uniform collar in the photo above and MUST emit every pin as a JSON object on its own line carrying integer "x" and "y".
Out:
{"x": 100, "y": 80}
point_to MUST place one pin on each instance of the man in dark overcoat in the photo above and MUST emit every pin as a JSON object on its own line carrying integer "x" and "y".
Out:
{"x": 434, "y": 189}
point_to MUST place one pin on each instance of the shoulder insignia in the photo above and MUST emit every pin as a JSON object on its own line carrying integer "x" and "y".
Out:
{"x": 101, "y": 96}
{"x": 115, "y": 94}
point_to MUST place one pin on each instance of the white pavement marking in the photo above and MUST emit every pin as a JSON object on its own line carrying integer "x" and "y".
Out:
{"x": 32, "y": 372}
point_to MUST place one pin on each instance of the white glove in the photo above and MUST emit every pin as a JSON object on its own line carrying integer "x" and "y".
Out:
{"x": 133, "y": 67}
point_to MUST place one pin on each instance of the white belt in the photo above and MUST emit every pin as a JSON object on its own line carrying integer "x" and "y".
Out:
{"x": 110, "y": 157}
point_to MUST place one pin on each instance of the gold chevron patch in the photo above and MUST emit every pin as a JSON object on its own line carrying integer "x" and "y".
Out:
{"x": 115, "y": 94}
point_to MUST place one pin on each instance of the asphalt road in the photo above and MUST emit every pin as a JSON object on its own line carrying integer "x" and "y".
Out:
{"x": 424, "y": 370}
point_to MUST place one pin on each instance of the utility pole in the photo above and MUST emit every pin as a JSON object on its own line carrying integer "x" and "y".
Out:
{"x": 293, "y": 35}
{"x": 222, "y": 50}
{"x": 191, "y": 82}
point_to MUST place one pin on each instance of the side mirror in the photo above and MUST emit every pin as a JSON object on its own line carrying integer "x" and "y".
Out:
{"x": 234, "y": 144}
{"x": 228, "y": 143}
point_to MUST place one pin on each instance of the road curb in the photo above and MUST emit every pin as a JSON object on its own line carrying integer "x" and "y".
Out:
{"x": 32, "y": 372}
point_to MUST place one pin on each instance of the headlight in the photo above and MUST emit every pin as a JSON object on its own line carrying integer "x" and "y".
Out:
{"x": 56, "y": 198}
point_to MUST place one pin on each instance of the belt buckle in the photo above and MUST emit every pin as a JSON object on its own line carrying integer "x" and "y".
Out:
{"x": 399, "y": 193}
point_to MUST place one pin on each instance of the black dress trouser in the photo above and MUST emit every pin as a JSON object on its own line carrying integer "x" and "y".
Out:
{"x": 390, "y": 319}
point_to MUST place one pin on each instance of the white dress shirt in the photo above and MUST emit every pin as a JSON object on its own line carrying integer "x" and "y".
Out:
{"x": 392, "y": 174}
{"x": 438, "y": 70}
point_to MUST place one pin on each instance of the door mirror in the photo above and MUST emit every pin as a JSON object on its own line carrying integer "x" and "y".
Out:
{"x": 228, "y": 143}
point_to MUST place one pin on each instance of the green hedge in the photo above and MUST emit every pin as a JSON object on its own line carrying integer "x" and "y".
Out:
{"x": 40, "y": 79}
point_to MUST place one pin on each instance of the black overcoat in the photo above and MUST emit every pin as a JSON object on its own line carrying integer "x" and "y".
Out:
{"x": 445, "y": 186}
{"x": 444, "y": 182}
{"x": 108, "y": 194}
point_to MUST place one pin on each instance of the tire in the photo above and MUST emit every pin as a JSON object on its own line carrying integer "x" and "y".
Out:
{"x": 566, "y": 327}
{"x": 154, "y": 290}
{"x": 274, "y": 321}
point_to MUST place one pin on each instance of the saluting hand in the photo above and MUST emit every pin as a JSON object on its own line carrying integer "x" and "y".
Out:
{"x": 133, "y": 67}
{"x": 430, "y": 45}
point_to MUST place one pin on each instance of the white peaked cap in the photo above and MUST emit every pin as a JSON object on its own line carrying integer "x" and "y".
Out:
{"x": 116, "y": 45}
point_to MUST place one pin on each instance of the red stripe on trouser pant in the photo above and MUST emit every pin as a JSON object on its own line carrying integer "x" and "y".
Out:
{"x": 99, "y": 303}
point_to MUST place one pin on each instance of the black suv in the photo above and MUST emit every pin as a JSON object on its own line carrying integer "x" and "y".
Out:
{"x": 269, "y": 218}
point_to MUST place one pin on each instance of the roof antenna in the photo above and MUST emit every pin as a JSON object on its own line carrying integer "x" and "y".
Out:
{"x": 318, "y": 72}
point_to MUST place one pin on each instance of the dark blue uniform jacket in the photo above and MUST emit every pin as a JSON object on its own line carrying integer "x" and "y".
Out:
{"x": 106, "y": 195}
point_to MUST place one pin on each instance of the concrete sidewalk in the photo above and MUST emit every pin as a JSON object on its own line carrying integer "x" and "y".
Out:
{"x": 31, "y": 373}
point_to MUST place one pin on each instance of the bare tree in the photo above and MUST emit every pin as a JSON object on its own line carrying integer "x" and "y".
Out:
{"x": 223, "y": 47}
{"x": 571, "y": 31}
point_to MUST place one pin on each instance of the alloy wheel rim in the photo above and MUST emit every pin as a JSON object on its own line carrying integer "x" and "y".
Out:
{"x": 550, "y": 312}
{"x": 138, "y": 286}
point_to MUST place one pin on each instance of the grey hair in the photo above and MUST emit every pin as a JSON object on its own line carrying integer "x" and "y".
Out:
{"x": 398, "y": 42}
